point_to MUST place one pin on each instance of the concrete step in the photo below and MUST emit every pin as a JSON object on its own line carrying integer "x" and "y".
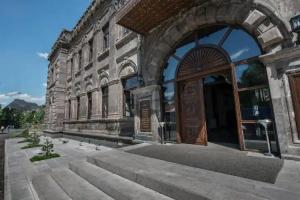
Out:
{"x": 117, "y": 187}
{"x": 183, "y": 182}
{"x": 47, "y": 189}
{"x": 76, "y": 187}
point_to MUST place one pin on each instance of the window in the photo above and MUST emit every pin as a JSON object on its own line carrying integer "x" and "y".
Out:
{"x": 53, "y": 75}
{"x": 128, "y": 102}
{"x": 255, "y": 101}
{"x": 80, "y": 59}
{"x": 124, "y": 31}
{"x": 70, "y": 109}
{"x": 106, "y": 36}
{"x": 71, "y": 66}
{"x": 78, "y": 108}
{"x": 90, "y": 105}
{"x": 105, "y": 102}
{"x": 91, "y": 49}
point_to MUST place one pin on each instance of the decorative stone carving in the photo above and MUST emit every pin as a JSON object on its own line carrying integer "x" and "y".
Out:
{"x": 128, "y": 67}
{"x": 103, "y": 77}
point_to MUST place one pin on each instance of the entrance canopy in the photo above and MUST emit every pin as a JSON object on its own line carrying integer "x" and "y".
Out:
{"x": 142, "y": 16}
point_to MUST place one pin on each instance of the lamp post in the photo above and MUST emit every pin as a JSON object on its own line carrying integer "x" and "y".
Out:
{"x": 295, "y": 25}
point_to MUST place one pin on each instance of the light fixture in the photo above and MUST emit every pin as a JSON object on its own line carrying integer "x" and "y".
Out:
{"x": 295, "y": 24}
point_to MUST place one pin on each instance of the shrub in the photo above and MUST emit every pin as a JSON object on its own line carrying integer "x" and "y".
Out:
{"x": 47, "y": 147}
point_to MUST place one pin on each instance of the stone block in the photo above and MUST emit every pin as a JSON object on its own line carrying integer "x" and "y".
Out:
{"x": 270, "y": 37}
{"x": 254, "y": 19}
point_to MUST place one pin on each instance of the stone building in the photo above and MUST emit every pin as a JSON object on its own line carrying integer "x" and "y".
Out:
{"x": 205, "y": 70}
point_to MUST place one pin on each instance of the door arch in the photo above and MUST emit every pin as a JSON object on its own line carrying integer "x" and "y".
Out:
{"x": 209, "y": 51}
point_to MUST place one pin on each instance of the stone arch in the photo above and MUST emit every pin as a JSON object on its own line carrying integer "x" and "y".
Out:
{"x": 103, "y": 78}
{"x": 250, "y": 15}
{"x": 127, "y": 68}
{"x": 77, "y": 89}
{"x": 68, "y": 93}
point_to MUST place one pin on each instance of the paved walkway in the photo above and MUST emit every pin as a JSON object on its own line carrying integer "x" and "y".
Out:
{"x": 19, "y": 169}
{"x": 217, "y": 158}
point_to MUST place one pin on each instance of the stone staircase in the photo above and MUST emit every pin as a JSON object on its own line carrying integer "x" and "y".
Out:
{"x": 123, "y": 176}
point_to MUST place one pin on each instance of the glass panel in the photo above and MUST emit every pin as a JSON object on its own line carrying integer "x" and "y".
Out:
{"x": 169, "y": 91}
{"x": 255, "y": 104}
{"x": 240, "y": 45}
{"x": 130, "y": 83}
{"x": 170, "y": 70}
{"x": 255, "y": 137}
{"x": 127, "y": 104}
{"x": 170, "y": 119}
{"x": 249, "y": 75}
{"x": 214, "y": 37}
{"x": 181, "y": 51}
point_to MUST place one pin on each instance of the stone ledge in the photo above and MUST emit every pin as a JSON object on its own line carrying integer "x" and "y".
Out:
{"x": 102, "y": 55}
{"x": 125, "y": 39}
{"x": 99, "y": 135}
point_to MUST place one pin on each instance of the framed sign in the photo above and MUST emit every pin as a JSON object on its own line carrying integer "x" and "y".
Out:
{"x": 145, "y": 116}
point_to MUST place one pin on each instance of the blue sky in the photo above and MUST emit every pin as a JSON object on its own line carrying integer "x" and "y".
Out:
{"x": 28, "y": 30}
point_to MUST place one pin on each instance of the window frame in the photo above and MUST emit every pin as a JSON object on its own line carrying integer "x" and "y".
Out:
{"x": 105, "y": 101}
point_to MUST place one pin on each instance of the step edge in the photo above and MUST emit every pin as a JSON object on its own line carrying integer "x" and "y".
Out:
{"x": 75, "y": 168}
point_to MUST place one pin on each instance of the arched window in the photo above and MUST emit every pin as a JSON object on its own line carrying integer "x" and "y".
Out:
{"x": 240, "y": 50}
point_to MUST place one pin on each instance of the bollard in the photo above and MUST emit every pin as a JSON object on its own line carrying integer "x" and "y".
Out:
{"x": 265, "y": 124}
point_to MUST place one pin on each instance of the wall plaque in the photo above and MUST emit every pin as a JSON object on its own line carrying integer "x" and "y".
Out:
{"x": 145, "y": 116}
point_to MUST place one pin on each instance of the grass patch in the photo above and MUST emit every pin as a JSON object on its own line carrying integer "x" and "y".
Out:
{"x": 31, "y": 146}
{"x": 44, "y": 157}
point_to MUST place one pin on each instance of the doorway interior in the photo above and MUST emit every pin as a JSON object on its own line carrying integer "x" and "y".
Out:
{"x": 220, "y": 114}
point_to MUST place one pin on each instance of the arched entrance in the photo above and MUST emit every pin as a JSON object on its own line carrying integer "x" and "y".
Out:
{"x": 216, "y": 89}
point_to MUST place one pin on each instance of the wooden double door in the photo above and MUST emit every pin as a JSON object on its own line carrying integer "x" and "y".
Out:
{"x": 191, "y": 104}
{"x": 295, "y": 92}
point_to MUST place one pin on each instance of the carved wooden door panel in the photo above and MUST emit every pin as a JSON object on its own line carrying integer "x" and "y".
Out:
{"x": 295, "y": 91}
{"x": 192, "y": 117}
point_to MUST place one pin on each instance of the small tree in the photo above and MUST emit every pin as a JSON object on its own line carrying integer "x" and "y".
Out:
{"x": 47, "y": 147}
{"x": 35, "y": 139}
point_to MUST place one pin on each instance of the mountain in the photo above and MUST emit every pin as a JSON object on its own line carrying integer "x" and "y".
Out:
{"x": 22, "y": 105}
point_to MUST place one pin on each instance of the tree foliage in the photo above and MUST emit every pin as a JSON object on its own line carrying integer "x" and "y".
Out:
{"x": 18, "y": 119}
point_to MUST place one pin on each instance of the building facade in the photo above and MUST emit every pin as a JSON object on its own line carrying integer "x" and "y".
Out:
{"x": 181, "y": 71}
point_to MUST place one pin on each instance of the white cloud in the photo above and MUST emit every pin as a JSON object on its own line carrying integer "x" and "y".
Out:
{"x": 239, "y": 53}
{"x": 45, "y": 84}
{"x": 5, "y": 99}
{"x": 43, "y": 55}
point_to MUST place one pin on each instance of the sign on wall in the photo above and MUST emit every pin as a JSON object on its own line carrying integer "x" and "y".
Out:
{"x": 145, "y": 116}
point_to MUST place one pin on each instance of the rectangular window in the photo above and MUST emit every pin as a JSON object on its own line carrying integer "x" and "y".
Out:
{"x": 90, "y": 104}
{"x": 78, "y": 108}
{"x": 105, "y": 102}
{"x": 79, "y": 59}
{"x": 128, "y": 104}
{"x": 91, "y": 49}
{"x": 70, "y": 109}
{"x": 71, "y": 67}
{"x": 53, "y": 75}
{"x": 106, "y": 36}
{"x": 128, "y": 85}
{"x": 255, "y": 105}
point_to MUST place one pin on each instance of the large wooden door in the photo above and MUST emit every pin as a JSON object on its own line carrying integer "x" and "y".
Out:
{"x": 295, "y": 91}
{"x": 192, "y": 113}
